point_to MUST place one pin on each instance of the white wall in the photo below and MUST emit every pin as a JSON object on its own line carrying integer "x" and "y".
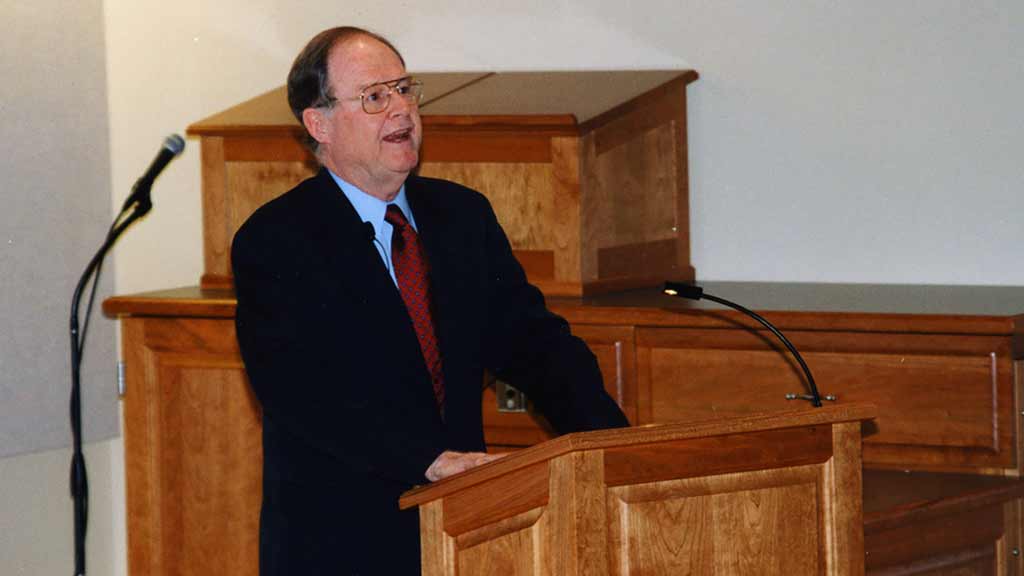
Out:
{"x": 36, "y": 534}
{"x": 836, "y": 142}
{"x": 55, "y": 192}
{"x": 54, "y": 212}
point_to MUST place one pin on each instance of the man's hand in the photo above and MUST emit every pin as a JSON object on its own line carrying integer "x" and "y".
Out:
{"x": 450, "y": 463}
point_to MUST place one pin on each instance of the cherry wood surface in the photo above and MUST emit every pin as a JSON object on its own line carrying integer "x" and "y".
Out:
{"x": 671, "y": 499}
{"x": 554, "y": 152}
{"x": 949, "y": 524}
{"x": 192, "y": 441}
{"x": 944, "y": 383}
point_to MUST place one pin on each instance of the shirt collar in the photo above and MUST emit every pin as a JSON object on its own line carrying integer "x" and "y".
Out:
{"x": 370, "y": 208}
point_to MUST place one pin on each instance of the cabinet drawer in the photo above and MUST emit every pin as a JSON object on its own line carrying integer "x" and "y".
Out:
{"x": 944, "y": 402}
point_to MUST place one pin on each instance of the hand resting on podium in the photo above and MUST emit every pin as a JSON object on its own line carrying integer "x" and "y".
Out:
{"x": 450, "y": 463}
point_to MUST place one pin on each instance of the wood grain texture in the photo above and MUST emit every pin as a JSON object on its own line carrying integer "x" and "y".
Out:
{"x": 639, "y": 174}
{"x": 908, "y": 503}
{"x": 760, "y": 522}
{"x": 636, "y": 156}
{"x": 842, "y": 502}
{"x": 577, "y": 525}
{"x": 191, "y": 301}
{"x": 437, "y": 551}
{"x": 522, "y": 490}
{"x": 521, "y": 194}
{"x": 252, "y": 184}
{"x": 286, "y": 146}
{"x": 444, "y": 146}
{"x": 944, "y": 403}
{"x": 216, "y": 230}
{"x": 194, "y": 453}
{"x": 637, "y": 145}
{"x": 143, "y": 455}
{"x": 567, "y": 220}
{"x": 939, "y": 547}
{"x": 514, "y": 546}
{"x": 636, "y": 436}
{"x": 698, "y": 457}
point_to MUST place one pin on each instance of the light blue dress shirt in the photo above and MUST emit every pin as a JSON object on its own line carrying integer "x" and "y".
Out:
{"x": 371, "y": 209}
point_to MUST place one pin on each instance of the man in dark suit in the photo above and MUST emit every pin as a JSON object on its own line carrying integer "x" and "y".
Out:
{"x": 370, "y": 301}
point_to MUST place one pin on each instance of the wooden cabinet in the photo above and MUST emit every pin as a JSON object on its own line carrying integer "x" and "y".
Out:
{"x": 193, "y": 450}
{"x": 941, "y": 524}
{"x": 948, "y": 399}
{"x": 555, "y": 153}
{"x": 944, "y": 402}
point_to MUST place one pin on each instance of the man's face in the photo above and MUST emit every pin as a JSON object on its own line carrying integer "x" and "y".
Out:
{"x": 373, "y": 151}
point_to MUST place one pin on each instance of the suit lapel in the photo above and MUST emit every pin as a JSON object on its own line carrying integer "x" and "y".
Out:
{"x": 353, "y": 262}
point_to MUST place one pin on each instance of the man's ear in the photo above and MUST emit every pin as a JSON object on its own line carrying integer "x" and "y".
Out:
{"x": 315, "y": 122}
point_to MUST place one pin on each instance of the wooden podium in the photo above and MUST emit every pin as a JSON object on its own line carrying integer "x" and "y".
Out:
{"x": 769, "y": 494}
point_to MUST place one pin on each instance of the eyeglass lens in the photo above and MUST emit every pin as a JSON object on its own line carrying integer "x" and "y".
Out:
{"x": 376, "y": 97}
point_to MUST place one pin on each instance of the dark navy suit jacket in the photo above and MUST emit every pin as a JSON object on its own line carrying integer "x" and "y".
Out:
{"x": 349, "y": 418}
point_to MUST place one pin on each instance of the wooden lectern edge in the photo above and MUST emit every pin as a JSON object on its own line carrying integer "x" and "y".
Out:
{"x": 648, "y": 434}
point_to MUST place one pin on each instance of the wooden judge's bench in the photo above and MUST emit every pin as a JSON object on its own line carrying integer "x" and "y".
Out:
{"x": 587, "y": 172}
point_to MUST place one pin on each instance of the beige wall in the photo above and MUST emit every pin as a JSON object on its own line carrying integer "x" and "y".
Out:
{"x": 836, "y": 142}
{"x": 35, "y": 512}
{"x": 55, "y": 198}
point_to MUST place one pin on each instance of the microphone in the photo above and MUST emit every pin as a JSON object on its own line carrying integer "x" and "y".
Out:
{"x": 139, "y": 197}
{"x": 694, "y": 292}
{"x": 371, "y": 237}
{"x": 172, "y": 146}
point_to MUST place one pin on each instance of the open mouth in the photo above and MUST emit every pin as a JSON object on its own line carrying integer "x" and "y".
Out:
{"x": 399, "y": 136}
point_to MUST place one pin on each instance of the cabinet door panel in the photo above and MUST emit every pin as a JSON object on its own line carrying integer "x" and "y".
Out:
{"x": 192, "y": 449}
{"x": 948, "y": 405}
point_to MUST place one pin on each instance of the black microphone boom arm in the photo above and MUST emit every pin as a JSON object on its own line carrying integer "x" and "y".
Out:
{"x": 697, "y": 293}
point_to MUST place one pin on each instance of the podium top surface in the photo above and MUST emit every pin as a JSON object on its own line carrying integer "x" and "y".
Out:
{"x": 636, "y": 436}
{"x": 583, "y": 95}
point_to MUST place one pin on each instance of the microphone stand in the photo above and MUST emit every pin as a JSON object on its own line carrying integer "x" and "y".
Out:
{"x": 697, "y": 293}
{"x": 79, "y": 477}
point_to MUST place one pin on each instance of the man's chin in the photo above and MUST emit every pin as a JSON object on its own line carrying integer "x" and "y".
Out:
{"x": 405, "y": 163}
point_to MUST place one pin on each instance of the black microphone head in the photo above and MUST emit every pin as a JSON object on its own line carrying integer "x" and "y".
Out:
{"x": 683, "y": 290}
{"x": 369, "y": 231}
{"x": 174, "y": 143}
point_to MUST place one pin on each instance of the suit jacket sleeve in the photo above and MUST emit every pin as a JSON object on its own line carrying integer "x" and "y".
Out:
{"x": 534, "y": 350}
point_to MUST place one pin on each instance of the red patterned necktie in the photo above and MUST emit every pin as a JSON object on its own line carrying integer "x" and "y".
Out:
{"x": 412, "y": 273}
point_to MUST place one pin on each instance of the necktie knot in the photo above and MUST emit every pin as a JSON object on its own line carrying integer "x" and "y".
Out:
{"x": 395, "y": 216}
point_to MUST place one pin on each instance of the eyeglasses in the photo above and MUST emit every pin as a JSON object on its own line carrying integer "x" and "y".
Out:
{"x": 376, "y": 97}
